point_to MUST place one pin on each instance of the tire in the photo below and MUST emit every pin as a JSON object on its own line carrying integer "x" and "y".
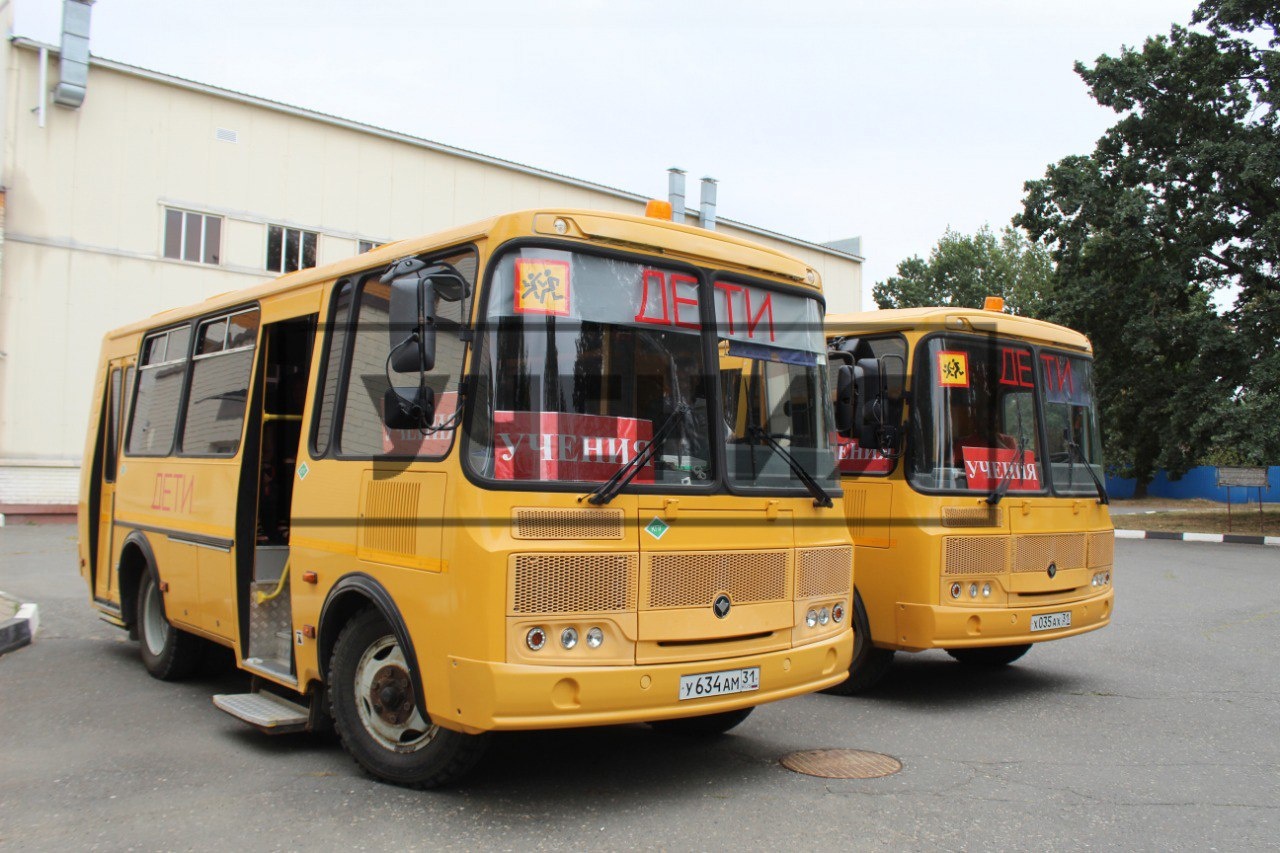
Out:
{"x": 708, "y": 725}
{"x": 869, "y": 664}
{"x": 168, "y": 653}
{"x": 375, "y": 713}
{"x": 991, "y": 656}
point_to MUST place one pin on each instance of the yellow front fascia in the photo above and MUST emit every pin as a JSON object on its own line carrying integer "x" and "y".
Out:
{"x": 499, "y": 696}
{"x": 932, "y": 626}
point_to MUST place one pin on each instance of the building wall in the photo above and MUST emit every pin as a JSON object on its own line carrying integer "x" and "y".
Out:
{"x": 82, "y": 249}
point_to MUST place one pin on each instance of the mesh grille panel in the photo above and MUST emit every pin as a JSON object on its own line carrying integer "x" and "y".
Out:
{"x": 972, "y": 516}
{"x": 530, "y": 523}
{"x": 573, "y": 583}
{"x": 694, "y": 580}
{"x": 1102, "y": 549}
{"x": 975, "y": 555}
{"x": 823, "y": 571}
{"x": 1035, "y": 553}
{"x": 390, "y": 521}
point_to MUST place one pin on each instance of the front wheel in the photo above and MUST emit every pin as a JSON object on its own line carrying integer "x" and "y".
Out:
{"x": 990, "y": 656}
{"x": 376, "y": 713}
{"x": 168, "y": 653}
{"x": 704, "y": 726}
{"x": 869, "y": 664}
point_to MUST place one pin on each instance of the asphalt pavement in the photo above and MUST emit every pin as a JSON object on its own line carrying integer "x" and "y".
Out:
{"x": 1155, "y": 733}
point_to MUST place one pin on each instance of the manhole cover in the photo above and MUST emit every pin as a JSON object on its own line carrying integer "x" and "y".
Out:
{"x": 842, "y": 763}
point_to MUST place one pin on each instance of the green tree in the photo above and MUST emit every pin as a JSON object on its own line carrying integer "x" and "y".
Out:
{"x": 964, "y": 270}
{"x": 1179, "y": 202}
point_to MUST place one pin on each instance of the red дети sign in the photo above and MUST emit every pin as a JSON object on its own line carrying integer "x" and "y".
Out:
{"x": 559, "y": 446}
{"x": 853, "y": 458}
{"x": 985, "y": 467}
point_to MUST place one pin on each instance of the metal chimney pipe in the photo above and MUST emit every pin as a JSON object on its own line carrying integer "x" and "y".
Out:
{"x": 709, "y": 203}
{"x": 73, "y": 70}
{"x": 675, "y": 193}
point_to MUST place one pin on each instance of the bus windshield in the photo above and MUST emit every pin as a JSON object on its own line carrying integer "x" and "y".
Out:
{"x": 974, "y": 426}
{"x": 584, "y": 359}
{"x": 1071, "y": 423}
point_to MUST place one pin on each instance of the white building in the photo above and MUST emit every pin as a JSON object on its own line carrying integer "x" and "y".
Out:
{"x": 156, "y": 192}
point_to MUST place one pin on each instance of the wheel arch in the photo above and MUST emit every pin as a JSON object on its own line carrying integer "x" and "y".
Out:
{"x": 351, "y": 594}
{"x": 135, "y": 556}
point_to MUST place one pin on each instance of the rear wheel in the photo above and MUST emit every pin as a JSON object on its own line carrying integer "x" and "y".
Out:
{"x": 707, "y": 724}
{"x": 869, "y": 664}
{"x": 167, "y": 652}
{"x": 375, "y": 711}
{"x": 990, "y": 656}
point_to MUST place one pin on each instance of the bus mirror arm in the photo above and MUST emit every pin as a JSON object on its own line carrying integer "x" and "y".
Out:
{"x": 403, "y": 408}
{"x": 844, "y": 403}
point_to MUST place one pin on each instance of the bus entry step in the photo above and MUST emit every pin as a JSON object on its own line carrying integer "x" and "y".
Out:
{"x": 269, "y": 713}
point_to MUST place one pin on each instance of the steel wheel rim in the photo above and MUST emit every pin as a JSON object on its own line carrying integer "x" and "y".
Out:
{"x": 381, "y": 674}
{"x": 155, "y": 628}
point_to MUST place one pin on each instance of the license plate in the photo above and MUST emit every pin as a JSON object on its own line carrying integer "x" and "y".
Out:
{"x": 1049, "y": 621}
{"x": 723, "y": 683}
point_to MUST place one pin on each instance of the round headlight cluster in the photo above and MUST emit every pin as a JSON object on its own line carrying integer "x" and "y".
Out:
{"x": 811, "y": 618}
{"x": 536, "y": 638}
{"x": 1102, "y": 579}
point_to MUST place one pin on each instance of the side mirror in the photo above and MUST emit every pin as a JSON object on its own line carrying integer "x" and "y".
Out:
{"x": 869, "y": 392}
{"x": 415, "y": 289}
{"x": 844, "y": 403}
{"x": 409, "y": 408}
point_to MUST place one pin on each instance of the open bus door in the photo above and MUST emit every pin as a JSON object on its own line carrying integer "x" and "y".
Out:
{"x": 119, "y": 381}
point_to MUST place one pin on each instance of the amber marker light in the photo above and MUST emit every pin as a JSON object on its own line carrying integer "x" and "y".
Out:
{"x": 993, "y": 303}
{"x": 658, "y": 209}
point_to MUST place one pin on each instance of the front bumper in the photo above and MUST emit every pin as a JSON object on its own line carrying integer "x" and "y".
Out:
{"x": 931, "y": 626}
{"x": 489, "y": 696}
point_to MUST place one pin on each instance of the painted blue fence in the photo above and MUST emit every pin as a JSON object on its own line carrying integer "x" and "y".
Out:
{"x": 1197, "y": 483}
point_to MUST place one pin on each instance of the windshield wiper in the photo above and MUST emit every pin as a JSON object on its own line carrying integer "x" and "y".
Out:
{"x": 1003, "y": 486}
{"x": 609, "y": 490}
{"x": 820, "y": 497}
{"x": 1074, "y": 450}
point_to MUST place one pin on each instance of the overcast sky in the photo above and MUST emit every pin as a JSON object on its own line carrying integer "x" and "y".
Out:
{"x": 822, "y": 120}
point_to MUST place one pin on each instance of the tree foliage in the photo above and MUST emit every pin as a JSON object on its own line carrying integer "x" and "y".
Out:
{"x": 1178, "y": 203}
{"x": 963, "y": 271}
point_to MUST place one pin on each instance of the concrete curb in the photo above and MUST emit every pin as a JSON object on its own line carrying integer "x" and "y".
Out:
{"x": 20, "y": 629}
{"x": 1225, "y": 538}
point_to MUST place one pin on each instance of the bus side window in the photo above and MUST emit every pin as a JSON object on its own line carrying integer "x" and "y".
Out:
{"x": 161, "y": 370}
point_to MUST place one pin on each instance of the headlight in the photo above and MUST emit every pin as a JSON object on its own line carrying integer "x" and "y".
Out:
{"x": 811, "y": 618}
{"x": 595, "y": 638}
{"x": 569, "y": 638}
{"x": 824, "y": 616}
{"x": 986, "y": 590}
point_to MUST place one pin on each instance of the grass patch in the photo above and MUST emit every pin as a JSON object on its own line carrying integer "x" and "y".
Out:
{"x": 1244, "y": 519}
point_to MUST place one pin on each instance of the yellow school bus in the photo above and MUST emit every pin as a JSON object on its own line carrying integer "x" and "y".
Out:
{"x": 557, "y": 468}
{"x": 973, "y": 485}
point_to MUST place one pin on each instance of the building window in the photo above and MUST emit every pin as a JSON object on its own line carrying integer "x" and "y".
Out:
{"x": 363, "y": 246}
{"x": 192, "y": 236}
{"x": 290, "y": 249}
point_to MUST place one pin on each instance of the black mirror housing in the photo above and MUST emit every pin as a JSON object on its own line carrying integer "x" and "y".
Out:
{"x": 409, "y": 408}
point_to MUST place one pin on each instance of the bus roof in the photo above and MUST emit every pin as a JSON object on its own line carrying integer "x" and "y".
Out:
{"x": 604, "y": 227}
{"x": 955, "y": 319}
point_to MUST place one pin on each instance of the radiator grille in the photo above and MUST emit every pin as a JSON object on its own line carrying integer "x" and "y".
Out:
{"x": 533, "y": 523}
{"x": 823, "y": 571}
{"x": 972, "y": 516}
{"x": 694, "y": 580}
{"x": 975, "y": 555}
{"x": 390, "y": 520}
{"x": 1102, "y": 549}
{"x": 573, "y": 583}
{"x": 1035, "y": 553}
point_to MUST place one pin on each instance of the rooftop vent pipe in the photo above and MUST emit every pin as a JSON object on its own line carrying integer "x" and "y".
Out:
{"x": 675, "y": 193}
{"x": 73, "y": 70}
{"x": 709, "y": 203}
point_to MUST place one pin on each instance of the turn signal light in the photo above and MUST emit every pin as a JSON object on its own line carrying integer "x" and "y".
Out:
{"x": 993, "y": 303}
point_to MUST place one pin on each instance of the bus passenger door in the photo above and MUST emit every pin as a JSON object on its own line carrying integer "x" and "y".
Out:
{"x": 119, "y": 378}
{"x": 264, "y": 580}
